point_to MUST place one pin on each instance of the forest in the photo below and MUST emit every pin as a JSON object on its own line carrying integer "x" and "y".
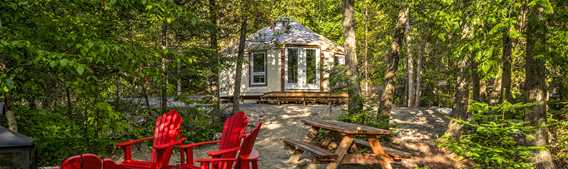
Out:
{"x": 78, "y": 76}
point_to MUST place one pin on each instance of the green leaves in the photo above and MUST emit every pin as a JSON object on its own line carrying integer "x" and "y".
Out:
{"x": 491, "y": 137}
{"x": 80, "y": 69}
{"x": 544, "y": 4}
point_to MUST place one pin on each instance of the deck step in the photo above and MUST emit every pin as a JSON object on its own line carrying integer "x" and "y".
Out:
{"x": 314, "y": 151}
{"x": 303, "y": 97}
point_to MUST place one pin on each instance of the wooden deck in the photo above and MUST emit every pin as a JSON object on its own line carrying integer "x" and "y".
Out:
{"x": 303, "y": 97}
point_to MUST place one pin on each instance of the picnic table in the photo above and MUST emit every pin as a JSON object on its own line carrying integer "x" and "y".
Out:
{"x": 348, "y": 132}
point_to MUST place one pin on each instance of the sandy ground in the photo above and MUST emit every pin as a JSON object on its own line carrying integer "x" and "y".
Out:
{"x": 415, "y": 132}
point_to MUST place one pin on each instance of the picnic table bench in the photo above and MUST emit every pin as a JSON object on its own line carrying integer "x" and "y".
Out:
{"x": 341, "y": 155}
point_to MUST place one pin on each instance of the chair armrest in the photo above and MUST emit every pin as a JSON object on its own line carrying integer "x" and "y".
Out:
{"x": 191, "y": 145}
{"x": 216, "y": 153}
{"x": 163, "y": 146}
{"x": 130, "y": 142}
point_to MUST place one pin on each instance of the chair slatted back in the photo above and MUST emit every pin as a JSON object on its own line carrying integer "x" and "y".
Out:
{"x": 167, "y": 130}
{"x": 248, "y": 141}
{"x": 233, "y": 131}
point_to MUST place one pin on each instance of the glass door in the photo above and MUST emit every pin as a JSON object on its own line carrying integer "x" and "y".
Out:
{"x": 302, "y": 68}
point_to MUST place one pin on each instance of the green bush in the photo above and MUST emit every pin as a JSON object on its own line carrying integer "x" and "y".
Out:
{"x": 58, "y": 135}
{"x": 493, "y": 136}
{"x": 558, "y": 125}
{"x": 366, "y": 118}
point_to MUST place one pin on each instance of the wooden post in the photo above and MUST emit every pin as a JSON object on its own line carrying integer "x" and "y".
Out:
{"x": 380, "y": 152}
{"x": 344, "y": 146}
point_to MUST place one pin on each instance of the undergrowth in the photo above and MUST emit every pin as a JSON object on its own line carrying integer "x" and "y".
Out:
{"x": 494, "y": 136}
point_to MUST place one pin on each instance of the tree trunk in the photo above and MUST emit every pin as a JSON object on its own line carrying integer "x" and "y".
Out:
{"x": 145, "y": 91}
{"x": 117, "y": 91}
{"x": 68, "y": 96}
{"x": 213, "y": 45}
{"x": 419, "y": 73}
{"x": 391, "y": 59}
{"x": 462, "y": 92}
{"x": 496, "y": 90}
{"x": 460, "y": 99}
{"x": 409, "y": 65}
{"x": 10, "y": 115}
{"x": 164, "y": 87}
{"x": 355, "y": 101}
{"x": 535, "y": 84}
{"x": 238, "y": 74}
{"x": 506, "y": 68}
{"x": 475, "y": 81}
{"x": 178, "y": 80}
{"x": 366, "y": 55}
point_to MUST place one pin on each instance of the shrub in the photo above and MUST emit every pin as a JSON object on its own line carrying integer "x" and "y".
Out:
{"x": 58, "y": 135}
{"x": 493, "y": 137}
{"x": 558, "y": 124}
{"x": 366, "y": 118}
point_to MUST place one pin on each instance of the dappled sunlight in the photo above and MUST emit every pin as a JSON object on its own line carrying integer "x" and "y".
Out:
{"x": 285, "y": 116}
{"x": 282, "y": 121}
{"x": 417, "y": 131}
{"x": 272, "y": 126}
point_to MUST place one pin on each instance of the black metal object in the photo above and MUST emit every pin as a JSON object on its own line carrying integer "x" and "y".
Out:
{"x": 17, "y": 151}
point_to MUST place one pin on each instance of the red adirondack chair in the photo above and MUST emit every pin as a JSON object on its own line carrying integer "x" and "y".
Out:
{"x": 247, "y": 155}
{"x": 233, "y": 132}
{"x": 166, "y": 136}
{"x": 82, "y": 161}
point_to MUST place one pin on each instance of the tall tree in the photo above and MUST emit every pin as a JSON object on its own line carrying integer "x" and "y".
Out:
{"x": 460, "y": 98}
{"x": 391, "y": 59}
{"x": 216, "y": 70}
{"x": 419, "y": 73}
{"x": 475, "y": 80}
{"x": 240, "y": 58}
{"x": 366, "y": 51}
{"x": 411, "y": 92}
{"x": 535, "y": 85}
{"x": 164, "y": 68}
{"x": 355, "y": 101}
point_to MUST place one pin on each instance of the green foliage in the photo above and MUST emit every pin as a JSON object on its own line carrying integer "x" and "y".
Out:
{"x": 493, "y": 137}
{"x": 67, "y": 65}
{"x": 199, "y": 124}
{"x": 337, "y": 78}
{"x": 58, "y": 134}
{"x": 558, "y": 125}
{"x": 366, "y": 118}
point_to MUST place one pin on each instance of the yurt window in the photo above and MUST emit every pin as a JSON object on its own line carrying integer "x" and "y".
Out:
{"x": 258, "y": 67}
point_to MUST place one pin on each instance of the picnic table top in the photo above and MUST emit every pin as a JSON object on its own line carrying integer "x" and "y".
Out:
{"x": 346, "y": 128}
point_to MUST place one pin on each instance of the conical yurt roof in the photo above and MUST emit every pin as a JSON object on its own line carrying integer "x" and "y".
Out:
{"x": 286, "y": 31}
